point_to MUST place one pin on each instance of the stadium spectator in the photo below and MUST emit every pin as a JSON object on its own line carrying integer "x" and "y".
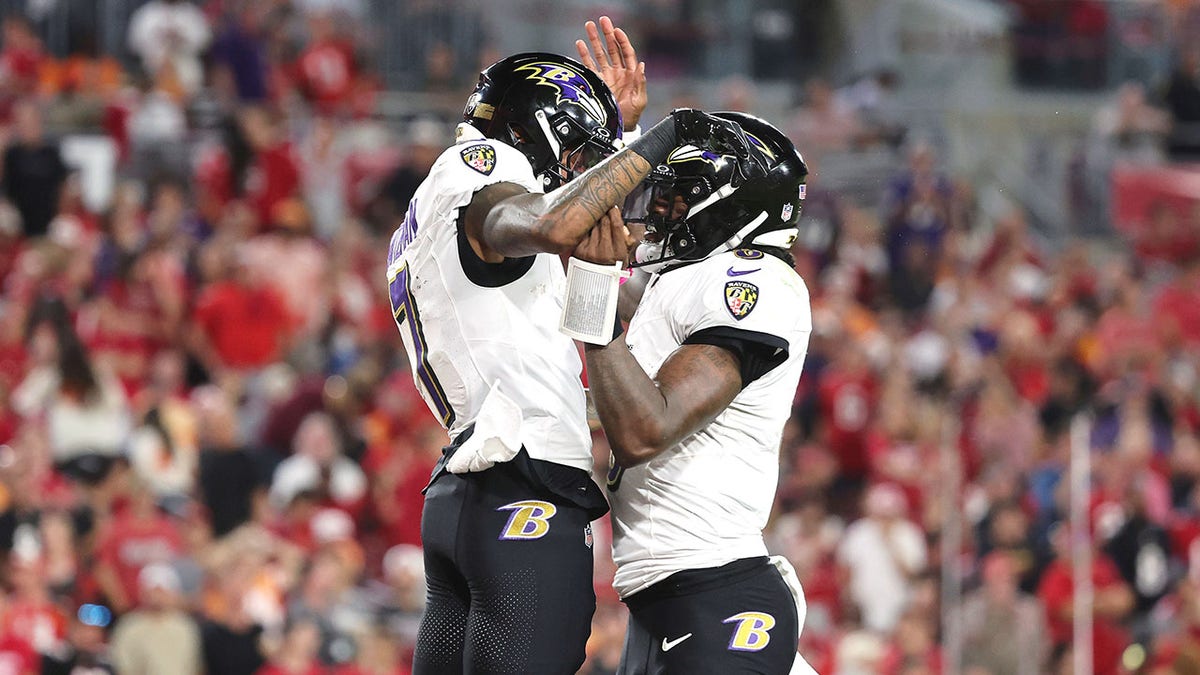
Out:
{"x": 240, "y": 322}
{"x": 230, "y": 637}
{"x": 34, "y": 171}
{"x": 425, "y": 142}
{"x": 318, "y": 467}
{"x": 230, "y": 476}
{"x": 158, "y": 638}
{"x": 824, "y": 124}
{"x": 134, "y": 539}
{"x": 914, "y": 648}
{"x": 322, "y": 159}
{"x": 85, "y": 411}
{"x": 1182, "y": 98}
{"x": 169, "y": 36}
{"x": 1132, "y": 129}
{"x": 327, "y": 71}
{"x": 997, "y": 616}
{"x": 1112, "y": 603}
{"x": 1177, "y": 305}
{"x": 918, "y": 211}
{"x": 271, "y": 182}
{"x": 882, "y": 553}
{"x": 297, "y": 655}
{"x": 239, "y": 49}
{"x": 156, "y": 128}
{"x": 85, "y": 649}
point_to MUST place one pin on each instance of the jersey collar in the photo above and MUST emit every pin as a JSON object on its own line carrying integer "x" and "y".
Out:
{"x": 465, "y": 133}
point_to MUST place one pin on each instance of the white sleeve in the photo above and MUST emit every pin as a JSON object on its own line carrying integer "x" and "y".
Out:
{"x": 465, "y": 168}
{"x": 760, "y": 305}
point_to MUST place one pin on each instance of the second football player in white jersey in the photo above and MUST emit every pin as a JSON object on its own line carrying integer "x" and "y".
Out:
{"x": 693, "y": 399}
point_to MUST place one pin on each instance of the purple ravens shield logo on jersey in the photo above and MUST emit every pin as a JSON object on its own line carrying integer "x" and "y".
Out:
{"x": 740, "y": 298}
{"x": 480, "y": 157}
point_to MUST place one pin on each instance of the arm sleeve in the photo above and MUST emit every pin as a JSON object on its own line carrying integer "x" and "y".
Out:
{"x": 462, "y": 171}
{"x": 758, "y": 353}
{"x": 762, "y": 316}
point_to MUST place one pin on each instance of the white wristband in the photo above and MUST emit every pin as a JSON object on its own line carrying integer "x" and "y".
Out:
{"x": 590, "y": 306}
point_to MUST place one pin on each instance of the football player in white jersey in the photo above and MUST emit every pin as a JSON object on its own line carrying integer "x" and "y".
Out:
{"x": 475, "y": 282}
{"x": 693, "y": 399}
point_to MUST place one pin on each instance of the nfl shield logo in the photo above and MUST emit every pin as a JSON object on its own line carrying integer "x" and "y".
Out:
{"x": 740, "y": 297}
{"x": 481, "y": 157}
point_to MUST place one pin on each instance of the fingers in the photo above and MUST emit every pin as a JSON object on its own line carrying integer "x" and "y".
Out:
{"x": 610, "y": 41}
{"x": 617, "y": 232}
{"x": 621, "y": 239}
{"x": 585, "y": 55}
{"x": 598, "y": 49}
{"x": 609, "y": 241}
{"x": 628, "y": 55}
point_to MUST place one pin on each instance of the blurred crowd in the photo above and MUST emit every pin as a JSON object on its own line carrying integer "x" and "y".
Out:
{"x": 211, "y": 450}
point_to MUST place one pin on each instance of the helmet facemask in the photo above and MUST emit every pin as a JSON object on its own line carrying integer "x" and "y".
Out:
{"x": 569, "y": 148}
{"x": 681, "y": 214}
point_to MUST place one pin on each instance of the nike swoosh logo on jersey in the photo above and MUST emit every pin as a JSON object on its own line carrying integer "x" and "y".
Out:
{"x": 668, "y": 646}
{"x": 735, "y": 273}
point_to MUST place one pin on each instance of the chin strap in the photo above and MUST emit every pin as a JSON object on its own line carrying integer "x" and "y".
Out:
{"x": 739, "y": 237}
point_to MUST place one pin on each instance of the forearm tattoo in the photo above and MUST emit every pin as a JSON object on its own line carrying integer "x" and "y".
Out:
{"x": 580, "y": 203}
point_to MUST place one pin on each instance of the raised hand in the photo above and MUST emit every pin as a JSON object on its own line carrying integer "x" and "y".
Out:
{"x": 615, "y": 61}
{"x": 696, "y": 127}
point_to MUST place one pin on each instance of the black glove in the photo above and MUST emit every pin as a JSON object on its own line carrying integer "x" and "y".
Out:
{"x": 698, "y": 128}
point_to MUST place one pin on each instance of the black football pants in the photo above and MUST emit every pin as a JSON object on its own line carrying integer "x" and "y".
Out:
{"x": 736, "y": 619}
{"x": 508, "y": 563}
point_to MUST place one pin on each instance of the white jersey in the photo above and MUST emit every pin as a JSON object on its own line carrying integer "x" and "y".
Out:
{"x": 705, "y": 502}
{"x": 468, "y": 326}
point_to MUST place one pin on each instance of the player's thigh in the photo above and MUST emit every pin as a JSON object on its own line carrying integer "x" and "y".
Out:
{"x": 528, "y": 560}
{"x": 442, "y": 634}
{"x": 750, "y": 626}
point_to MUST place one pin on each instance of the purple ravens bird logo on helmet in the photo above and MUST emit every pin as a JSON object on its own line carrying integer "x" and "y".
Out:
{"x": 759, "y": 145}
{"x": 690, "y": 153}
{"x": 570, "y": 85}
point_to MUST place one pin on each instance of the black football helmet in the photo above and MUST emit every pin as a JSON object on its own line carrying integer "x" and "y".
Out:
{"x": 550, "y": 107}
{"x": 699, "y": 202}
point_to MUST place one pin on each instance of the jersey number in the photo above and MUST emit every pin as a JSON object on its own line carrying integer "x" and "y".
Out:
{"x": 404, "y": 308}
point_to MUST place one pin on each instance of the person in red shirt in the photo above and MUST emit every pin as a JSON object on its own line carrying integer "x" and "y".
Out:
{"x": 326, "y": 72}
{"x": 31, "y": 616}
{"x": 401, "y": 470}
{"x": 913, "y": 647}
{"x": 273, "y": 177}
{"x": 846, "y": 396}
{"x": 1177, "y": 307}
{"x": 137, "y": 537}
{"x": 239, "y": 323}
{"x": 1113, "y": 601}
{"x": 21, "y": 60}
{"x": 17, "y": 657}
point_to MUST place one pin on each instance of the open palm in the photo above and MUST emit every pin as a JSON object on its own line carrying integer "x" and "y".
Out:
{"x": 615, "y": 61}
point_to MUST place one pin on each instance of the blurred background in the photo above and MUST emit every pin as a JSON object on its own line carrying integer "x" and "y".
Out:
{"x": 211, "y": 450}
